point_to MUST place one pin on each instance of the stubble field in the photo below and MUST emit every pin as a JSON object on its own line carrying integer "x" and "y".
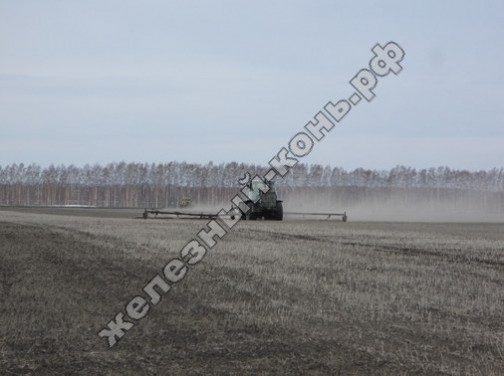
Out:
{"x": 292, "y": 297}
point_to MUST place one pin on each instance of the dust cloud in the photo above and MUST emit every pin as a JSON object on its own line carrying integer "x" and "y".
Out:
{"x": 403, "y": 205}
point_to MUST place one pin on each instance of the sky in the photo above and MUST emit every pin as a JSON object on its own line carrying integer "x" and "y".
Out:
{"x": 198, "y": 81}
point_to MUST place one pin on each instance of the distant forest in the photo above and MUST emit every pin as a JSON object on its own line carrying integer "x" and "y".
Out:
{"x": 164, "y": 185}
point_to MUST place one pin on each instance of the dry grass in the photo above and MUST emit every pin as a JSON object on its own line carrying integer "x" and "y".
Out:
{"x": 299, "y": 297}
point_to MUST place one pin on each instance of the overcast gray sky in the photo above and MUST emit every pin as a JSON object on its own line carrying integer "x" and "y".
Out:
{"x": 155, "y": 81}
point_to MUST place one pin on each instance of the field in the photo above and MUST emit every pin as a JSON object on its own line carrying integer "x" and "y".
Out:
{"x": 292, "y": 297}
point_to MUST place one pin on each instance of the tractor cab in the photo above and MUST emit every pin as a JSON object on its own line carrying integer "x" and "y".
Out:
{"x": 263, "y": 204}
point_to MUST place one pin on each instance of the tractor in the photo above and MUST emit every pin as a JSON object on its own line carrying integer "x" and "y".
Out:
{"x": 266, "y": 206}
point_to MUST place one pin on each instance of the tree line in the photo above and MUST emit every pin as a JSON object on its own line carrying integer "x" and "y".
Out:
{"x": 164, "y": 184}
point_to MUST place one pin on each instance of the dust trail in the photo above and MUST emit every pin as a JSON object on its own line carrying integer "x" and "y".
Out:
{"x": 424, "y": 205}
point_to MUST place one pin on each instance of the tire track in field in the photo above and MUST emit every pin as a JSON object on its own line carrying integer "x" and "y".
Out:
{"x": 419, "y": 252}
{"x": 389, "y": 248}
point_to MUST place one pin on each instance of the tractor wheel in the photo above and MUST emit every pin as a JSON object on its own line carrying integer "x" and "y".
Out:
{"x": 279, "y": 212}
{"x": 250, "y": 216}
{"x": 246, "y": 216}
